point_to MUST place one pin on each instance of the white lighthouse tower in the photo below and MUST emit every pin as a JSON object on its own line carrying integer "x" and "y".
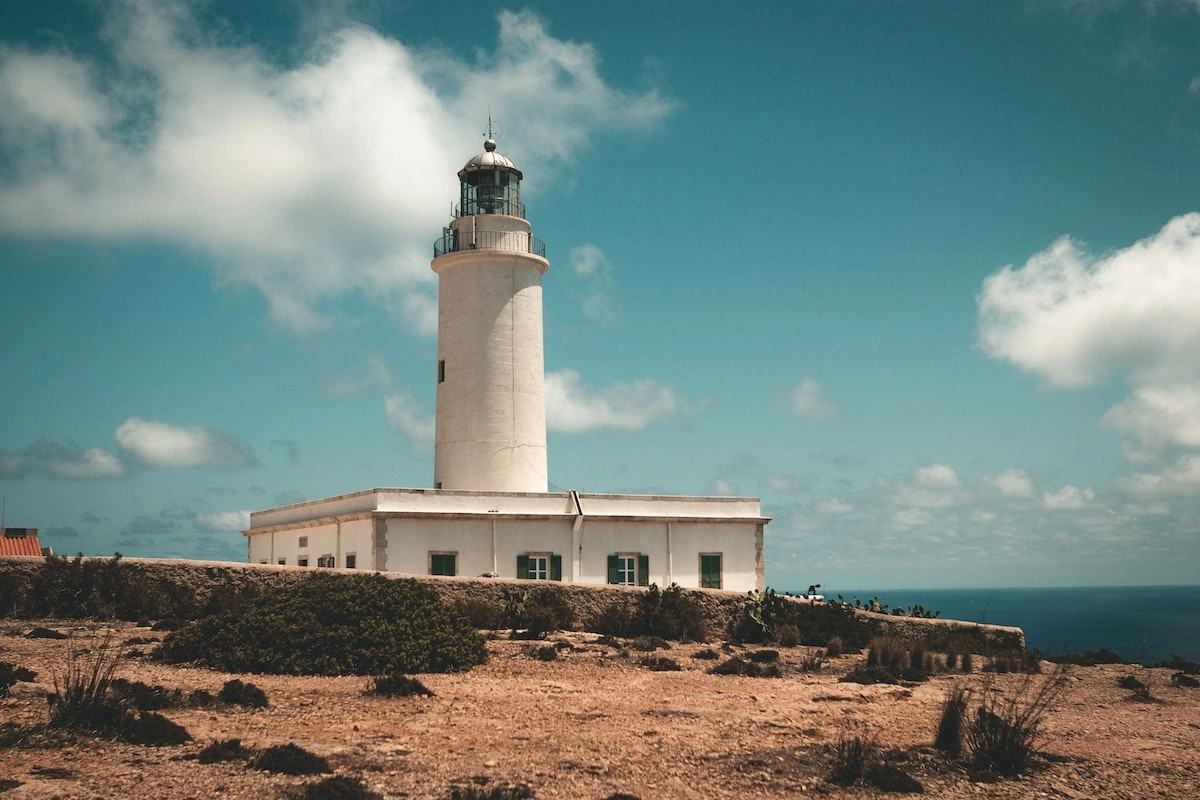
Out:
{"x": 491, "y": 408}
{"x": 490, "y": 512}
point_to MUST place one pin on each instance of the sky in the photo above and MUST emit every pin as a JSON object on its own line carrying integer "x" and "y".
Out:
{"x": 922, "y": 276}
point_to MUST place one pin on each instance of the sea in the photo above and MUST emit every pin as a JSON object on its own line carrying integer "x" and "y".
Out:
{"x": 1144, "y": 624}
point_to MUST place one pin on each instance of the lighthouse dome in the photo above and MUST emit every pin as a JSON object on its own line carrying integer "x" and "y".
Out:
{"x": 489, "y": 159}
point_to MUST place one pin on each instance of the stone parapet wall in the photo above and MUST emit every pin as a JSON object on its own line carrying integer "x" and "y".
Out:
{"x": 159, "y": 588}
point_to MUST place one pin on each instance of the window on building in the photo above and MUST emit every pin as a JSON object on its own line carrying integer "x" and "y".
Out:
{"x": 539, "y": 566}
{"x": 303, "y": 541}
{"x": 710, "y": 570}
{"x": 302, "y": 561}
{"x": 629, "y": 569}
{"x": 262, "y": 561}
{"x": 283, "y": 562}
{"x": 326, "y": 561}
{"x": 443, "y": 563}
{"x": 442, "y": 371}
{"x": 351, "y": 561}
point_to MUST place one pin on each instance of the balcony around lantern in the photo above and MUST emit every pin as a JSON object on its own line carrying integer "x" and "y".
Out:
{"x": 504, "y": 241}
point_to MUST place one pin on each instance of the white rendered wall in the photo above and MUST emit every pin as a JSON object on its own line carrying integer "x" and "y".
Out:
{"x": 491, "y": 408}
{"x": 337, "y": 539}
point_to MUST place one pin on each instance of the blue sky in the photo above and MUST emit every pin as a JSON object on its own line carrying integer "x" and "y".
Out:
{"x": 925, "y": 277}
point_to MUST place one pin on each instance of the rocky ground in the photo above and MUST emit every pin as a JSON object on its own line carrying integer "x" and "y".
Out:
{"x": 593, "y": 723}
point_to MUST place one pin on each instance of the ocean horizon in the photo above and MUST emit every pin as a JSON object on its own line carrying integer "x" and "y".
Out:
{"x": 1146, "y": 624}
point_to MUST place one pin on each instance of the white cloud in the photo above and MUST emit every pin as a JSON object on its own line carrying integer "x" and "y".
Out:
{"x": 937, "y": 476}
{"x": 224, "y": 521}
{"x": 589, "y": 262}
{"x": 1075, "y": 319}
{"x": 407, "y": 417}
{"x": 910, "y": 518}
{"x": 91, "y": 463}
{"x": 834, "y": 506}
{"x": 61, "y": 462}
{"x": 159, "y": 444}
{"x": 1159, "y": 416}
{"x": 1181, "y": 478}
{"x": 1014, "y": 483}
{"x": 1068, "y": 498}
{"x": 307, "y": 181}
{"x": 723, "y": 488}
{"x": 627, "y": 406}
{"x": 806, "y": 401}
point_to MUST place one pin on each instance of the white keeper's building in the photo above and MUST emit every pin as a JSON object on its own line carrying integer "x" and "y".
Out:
{"x": 489, "y": 511}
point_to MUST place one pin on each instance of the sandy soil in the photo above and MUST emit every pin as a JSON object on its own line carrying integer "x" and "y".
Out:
{"x": 593, "y": 723}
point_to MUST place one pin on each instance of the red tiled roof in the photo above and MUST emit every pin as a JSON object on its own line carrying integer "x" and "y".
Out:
{"x": 24, "y": 546}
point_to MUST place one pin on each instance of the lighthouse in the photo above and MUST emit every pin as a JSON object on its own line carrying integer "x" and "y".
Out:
{"x": 490, "y": 429}
{"x": 490, "y": 512}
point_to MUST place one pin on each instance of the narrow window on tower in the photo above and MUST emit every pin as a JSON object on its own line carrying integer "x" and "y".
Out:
{"x": 442, "y": 371}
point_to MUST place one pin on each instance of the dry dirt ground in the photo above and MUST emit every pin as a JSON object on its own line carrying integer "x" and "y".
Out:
{"x": 592, "y": 724}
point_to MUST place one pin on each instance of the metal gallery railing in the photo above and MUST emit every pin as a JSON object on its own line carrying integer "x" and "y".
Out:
{"x": 507, "y": 241}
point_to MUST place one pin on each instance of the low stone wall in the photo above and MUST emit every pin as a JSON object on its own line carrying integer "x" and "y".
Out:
{"x": 189, "y": 589}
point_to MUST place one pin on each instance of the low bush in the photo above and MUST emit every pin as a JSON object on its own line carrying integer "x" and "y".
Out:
{"x": 290, "y": 759}
{"x": 81, "y": 699}
{"x": 145, "y": 697}
{"x": 750, "y": 669}
{"x": 763, "y": 656}
{"x": 329, "y": 624}
{"x": 495, "y": 792}
{"x": 1015, "y": 661}
{"x": 706, "y": 655}
{"x": 224, "y": 750}
{"x": 337, "y": 787}
{"x": 769, "y": 617}
{"x": 482, "y": 614}
{"x": 660, "y": 664}
{"x": 10, "y": 673}
{"x": 673, "y": 614}
{"x": 534, "y": 614}
{"x": 1184, "y": 681}
{"x": 45, "y": 633}
{"x": 153, "y": 729}
{"x": 1002, "y": 736}
{"x": 396, "y": 685}
{"x": 648, "y": 644}
{"x": 859, "y": 761}
{"x": 246, "y": 695}
{"x": 834, "y": 647}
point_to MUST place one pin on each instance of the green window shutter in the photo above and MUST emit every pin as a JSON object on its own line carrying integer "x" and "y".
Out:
{"x": 710, "y": 571}
{"x": 556, "y": 567}
{"x": 612, "y": 569}
{"x": 523, "y": 567}
{"x": 643, "y": 576}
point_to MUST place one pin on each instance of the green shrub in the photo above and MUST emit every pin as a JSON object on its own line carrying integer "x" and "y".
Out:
{"x": 769, "y": 617}
{"x": 338, "y": 787}
{"x": 10, "y": 673}
{"x": 290, "y": 759}
{"x": 673, "y": 614}
{"x": 750, "y": 669}
{"x": 81, "y": 699}
{"x": 859, "y": 761}
{"x": 223, "y": 750}
{"x": 330, "y": 624}
{"x": 1003, "y": 734}
{"x": 496, "y": 792}
{"x": 396, "y": 685}
{"x": 153, "y": 729}
{"x": 660, "y": 664}
{"x": 543, "y": 611}
{"x": 247, "y": 695}
{"x": 145, "y": 697}
{"x": 482, "y": 614}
